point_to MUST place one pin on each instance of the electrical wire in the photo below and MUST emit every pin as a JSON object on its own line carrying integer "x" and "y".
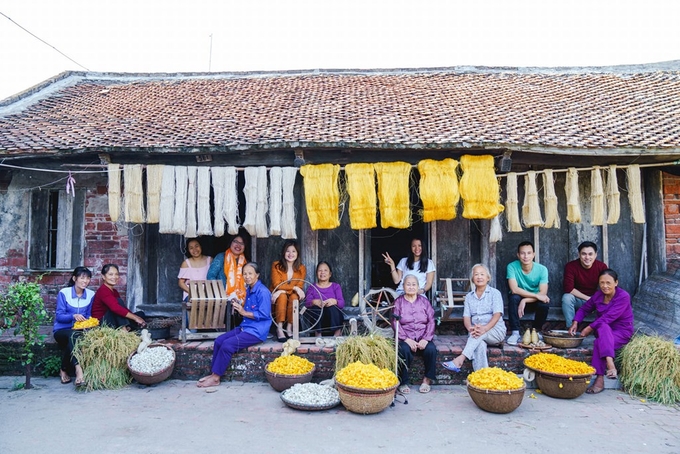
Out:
{"x": 42, "y": 40}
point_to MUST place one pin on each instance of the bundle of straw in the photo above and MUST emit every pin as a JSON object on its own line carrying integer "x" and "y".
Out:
{"x": 370, "y": 349}
{"x": 571, "y": 188}
{"x": 102, "y": 353}
{"x": 596, "y": 197}
{"x": 512, "y": 203}
{"x": 650, "y": 368}
{"x": 552, "y": 218}
{"x": 613, "y": 196}
{"x": 531, "y": 211}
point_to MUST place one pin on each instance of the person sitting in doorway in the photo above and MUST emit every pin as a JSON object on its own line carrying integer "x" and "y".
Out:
{"x": 580, "y": 281}
{"x": 416, "y": 264}
{"x": 528, "y": 282}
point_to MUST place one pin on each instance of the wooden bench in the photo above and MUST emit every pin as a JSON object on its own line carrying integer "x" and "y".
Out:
{"x": 451, "y": 298}
{"x": 208, "y": 309}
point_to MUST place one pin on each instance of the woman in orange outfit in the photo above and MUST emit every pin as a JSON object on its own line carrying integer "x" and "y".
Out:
{"x": 286, "y": 268}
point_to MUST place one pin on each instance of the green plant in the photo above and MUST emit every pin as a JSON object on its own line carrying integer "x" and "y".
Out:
{"x": 50, "y": 366}
{"x": 22, "y": 308}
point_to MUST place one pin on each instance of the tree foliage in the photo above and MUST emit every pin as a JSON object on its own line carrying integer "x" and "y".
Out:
{"x": 23, "y": 309}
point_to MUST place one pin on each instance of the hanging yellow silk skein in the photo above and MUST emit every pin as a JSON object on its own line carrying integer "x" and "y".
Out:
{"x": 479, "y": 187}
{"x": 393, "y": 194}
{"x": 438, "y": 189}
{"x": 322, "y": 195}
{"x": 362, "y": 197}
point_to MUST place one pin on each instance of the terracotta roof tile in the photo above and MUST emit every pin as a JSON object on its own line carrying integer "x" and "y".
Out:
{"x": 409, "y": 109}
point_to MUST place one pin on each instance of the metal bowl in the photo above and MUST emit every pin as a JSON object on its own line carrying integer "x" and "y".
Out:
{"x": 562, "y": 339}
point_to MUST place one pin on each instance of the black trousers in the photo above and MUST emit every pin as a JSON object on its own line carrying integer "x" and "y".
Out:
{"x": 66, "y": 339}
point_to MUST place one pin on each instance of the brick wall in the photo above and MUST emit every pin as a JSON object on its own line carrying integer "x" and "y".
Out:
{"x": 105, "y": 242}
{"x": 671, "y": 198}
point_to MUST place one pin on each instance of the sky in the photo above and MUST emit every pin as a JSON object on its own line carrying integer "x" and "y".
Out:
{"x": 143, "y": 36}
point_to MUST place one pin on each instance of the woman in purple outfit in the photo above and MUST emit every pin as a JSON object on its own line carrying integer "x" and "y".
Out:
{"x": 326, "y": 295}
{"x": 613, "y": 325}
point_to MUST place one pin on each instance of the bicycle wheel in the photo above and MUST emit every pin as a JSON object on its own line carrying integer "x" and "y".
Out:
{"x": 375, "y": 310}
{"x": 309, "y": 318}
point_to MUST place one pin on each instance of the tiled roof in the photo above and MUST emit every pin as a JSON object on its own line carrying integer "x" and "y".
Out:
{"x": 371, "y": 109}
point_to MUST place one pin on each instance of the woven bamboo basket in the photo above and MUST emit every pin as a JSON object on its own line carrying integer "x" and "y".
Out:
{"x": 495, "y": 401}
{"x": 157, "y": 377}
{"x": 365, "y": 401}
{"x": 281, "y": 382}
{"x": 562, "y": 386}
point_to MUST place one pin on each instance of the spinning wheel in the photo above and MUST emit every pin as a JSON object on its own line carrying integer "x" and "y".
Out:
{"x": 308, "y": 318}
{"x": 375, "y": 310}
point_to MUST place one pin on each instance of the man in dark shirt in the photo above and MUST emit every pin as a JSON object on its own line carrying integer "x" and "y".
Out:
{"x": 580, "y": 279}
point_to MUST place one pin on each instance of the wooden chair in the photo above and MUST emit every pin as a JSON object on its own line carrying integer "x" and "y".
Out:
{"x": 208, "y": 309}
{"x": 452, "y": 296}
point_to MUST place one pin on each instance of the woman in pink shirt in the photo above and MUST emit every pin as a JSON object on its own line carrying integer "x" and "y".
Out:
{"x": 194, "y": 268}
{"x": 415, "y": 316}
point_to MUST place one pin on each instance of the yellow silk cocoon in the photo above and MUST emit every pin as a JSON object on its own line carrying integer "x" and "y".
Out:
{"x": 362, "y": 197}
{"x": 393, "y": 194}
{"x": 438, "y": 189}
{"x": 479, "y": 187}
{"x": 322, "y": 195}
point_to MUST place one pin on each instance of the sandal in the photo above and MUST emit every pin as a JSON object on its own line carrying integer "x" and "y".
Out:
{"x": 404, "y": 389}
{"x": 611, "y": 373}
{"x": 594, "y": 390}
{"x": 65, "y": 379}
{"x": 424, "y": 388}
{"x": 80, "y": 383}
{"x": 450, "y": 365}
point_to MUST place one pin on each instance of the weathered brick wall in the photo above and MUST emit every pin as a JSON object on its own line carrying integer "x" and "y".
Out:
{"x": 105, "y": 242}
{"x": 671, "y": 194}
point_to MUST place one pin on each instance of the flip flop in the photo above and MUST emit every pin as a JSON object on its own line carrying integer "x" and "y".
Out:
{"x": 404, "y": 389}
{"x": 424, "y": 388}
{"x": 79, "y": 384}
{"x": 611, "y": 373}
{"x": 594, "y": 390}
{"x": 206, "y": 384}
{"x": 450, "y": 365}
{"x": 64, "y": 381}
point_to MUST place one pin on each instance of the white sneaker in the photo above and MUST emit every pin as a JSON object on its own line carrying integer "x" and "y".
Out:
{"x": 513, "y": 339}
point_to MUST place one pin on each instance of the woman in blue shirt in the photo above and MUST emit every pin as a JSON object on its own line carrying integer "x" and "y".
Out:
{"x": 256, "y": 312}
{"x": 74, "y": 304}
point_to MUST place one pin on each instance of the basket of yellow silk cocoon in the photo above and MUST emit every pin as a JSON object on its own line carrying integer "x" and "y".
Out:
{"x": 494, "y": 390}
{"x": 365, "y": 388}
{"x": 560, "y": 377}
{"x": 286, "y": 371}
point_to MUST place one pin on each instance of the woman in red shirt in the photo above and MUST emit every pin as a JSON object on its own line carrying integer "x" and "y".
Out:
{"x": 108, "y": 307}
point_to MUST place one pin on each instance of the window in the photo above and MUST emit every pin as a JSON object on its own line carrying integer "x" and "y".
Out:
{"x": 57, "y": 221}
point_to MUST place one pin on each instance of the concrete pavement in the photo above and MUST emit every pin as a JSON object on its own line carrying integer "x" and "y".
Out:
{"x": 177, "y": 417}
